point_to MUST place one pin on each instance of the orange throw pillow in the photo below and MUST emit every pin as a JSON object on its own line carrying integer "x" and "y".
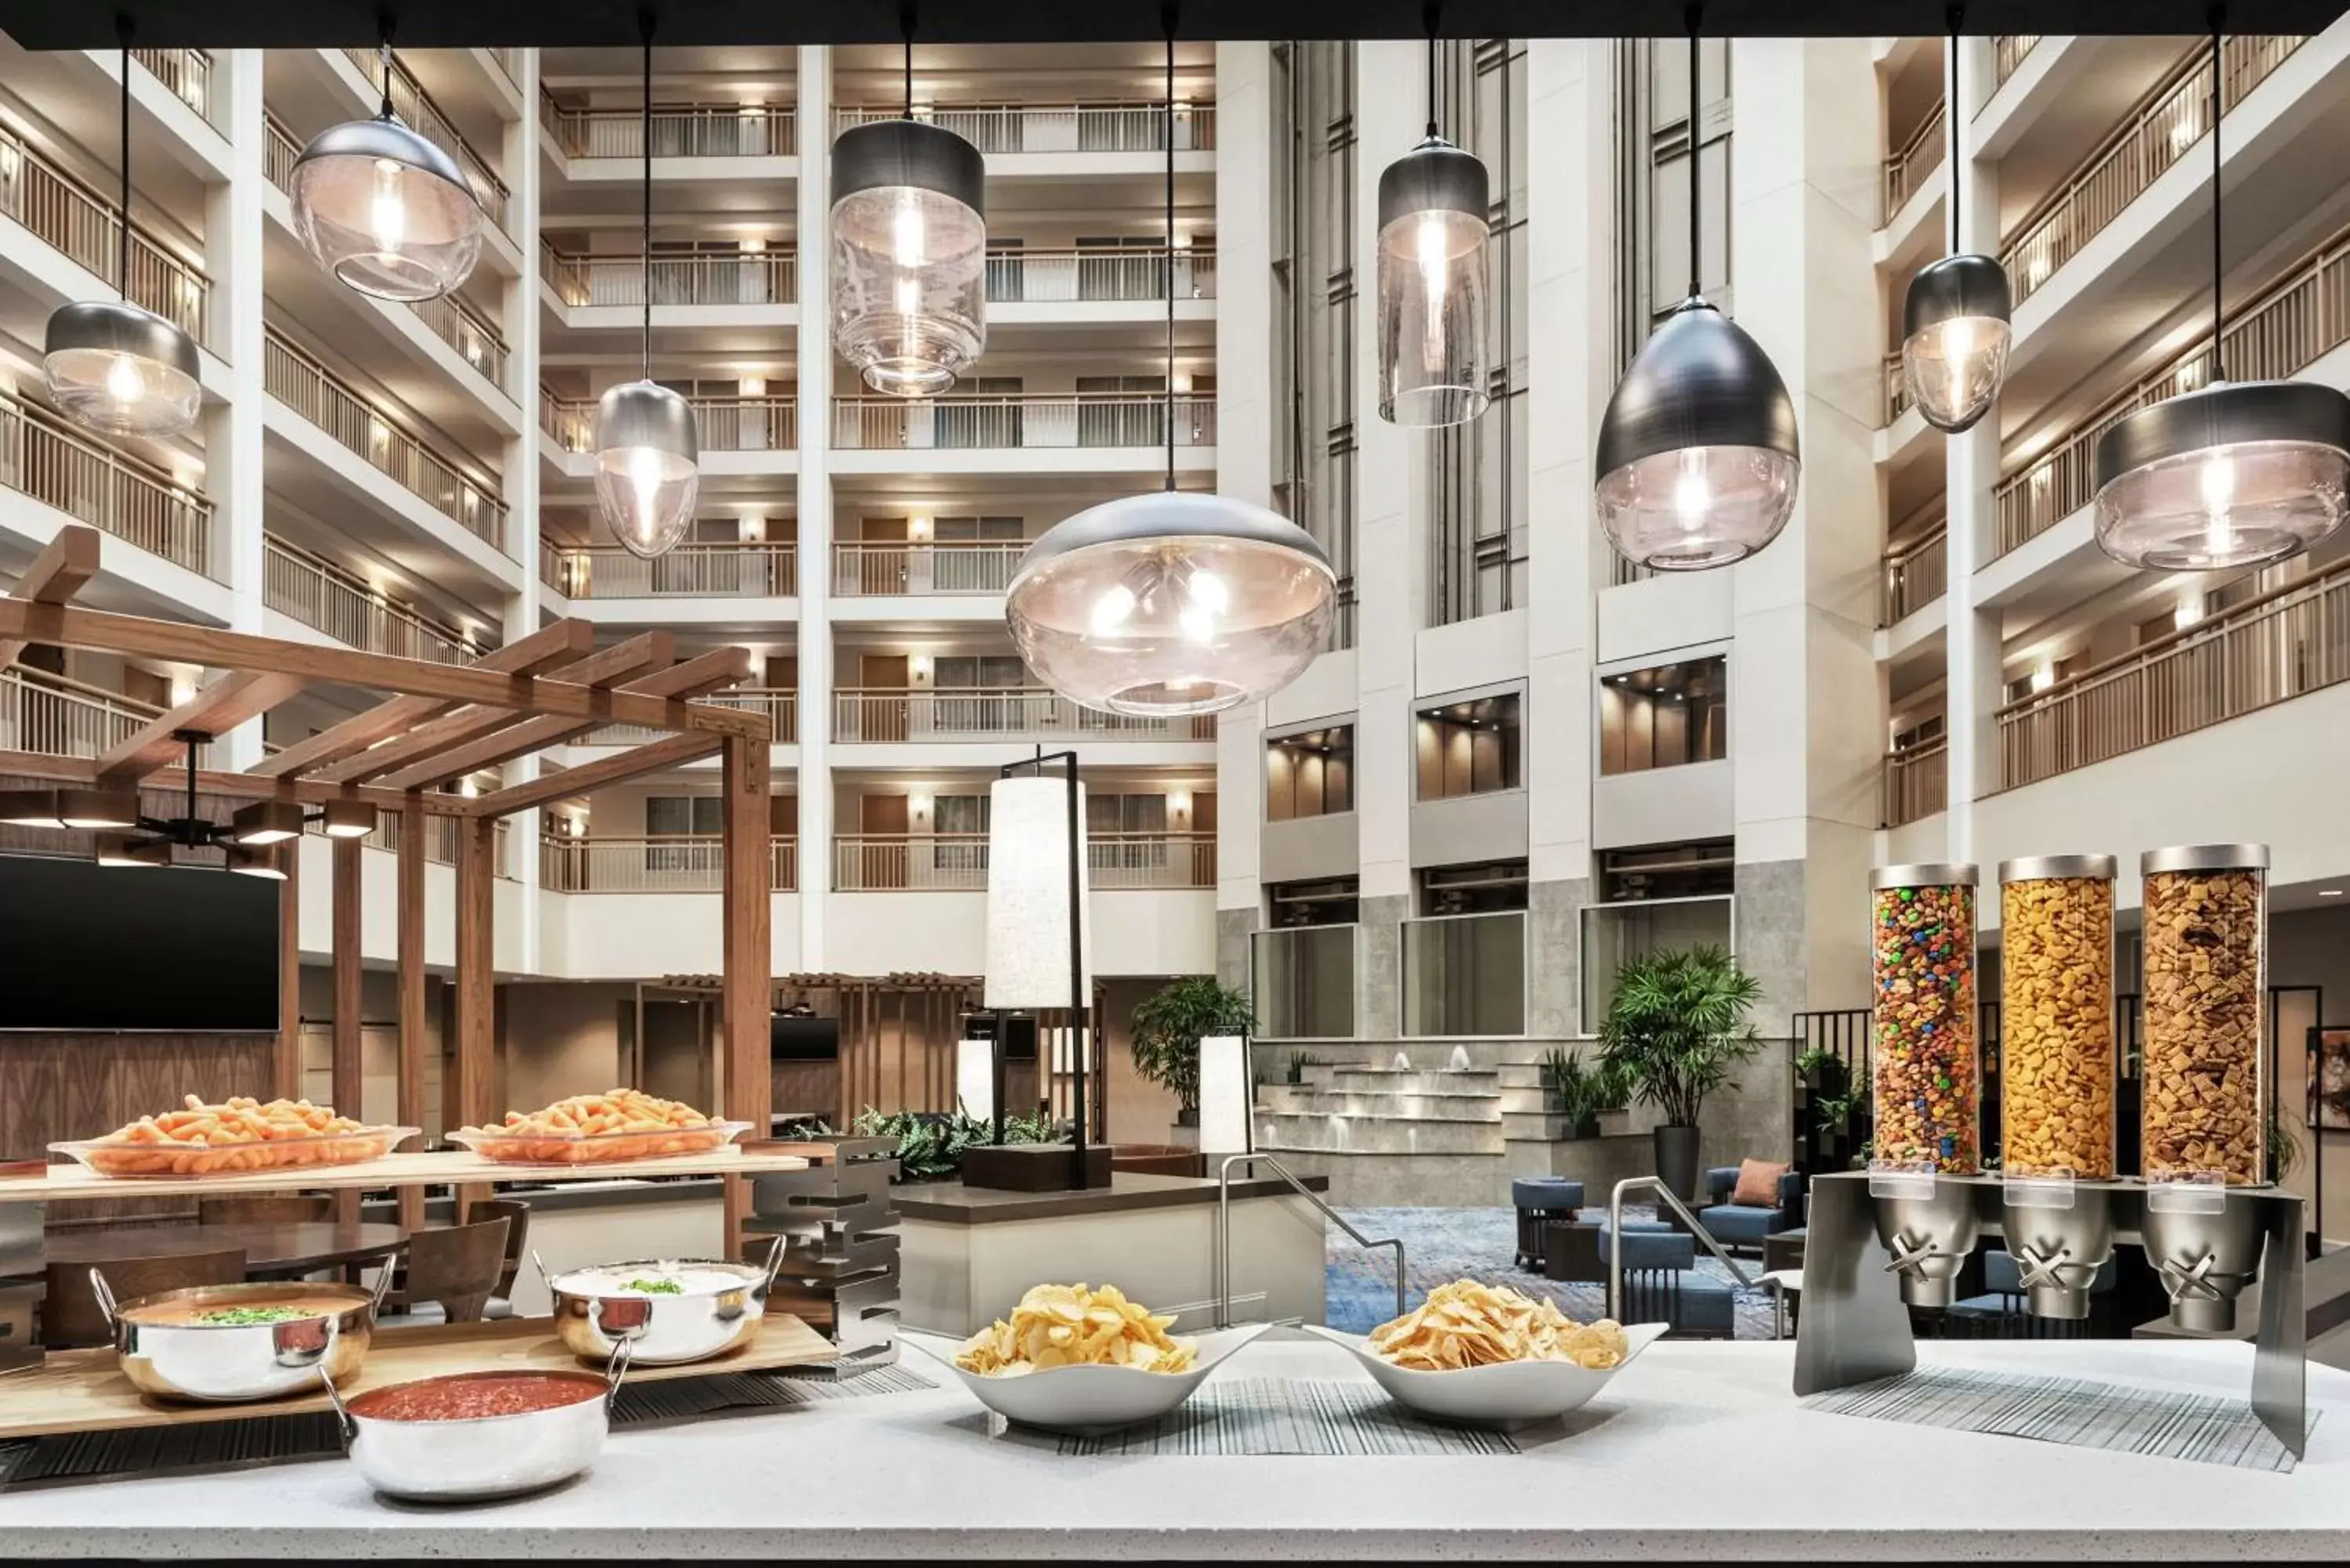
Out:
{"x": 1758, "y": 1183}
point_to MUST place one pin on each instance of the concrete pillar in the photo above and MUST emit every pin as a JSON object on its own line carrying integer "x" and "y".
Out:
{"x": 1971, "y": 537}
{"x": 815, "y": 355}
{"x": 234, "y": 257}
{"x": 521, "y": 318}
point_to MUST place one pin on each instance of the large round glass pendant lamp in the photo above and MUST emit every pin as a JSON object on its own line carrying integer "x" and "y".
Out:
{"x": 1433, "y": 207}
{"x": 1954, "y": 319}
{"x": 647, "y": 451}
{"x": 2230, "y": 474}
{"x": 386, "y": 211}
{"x": 110, "y": 366}
{"x": 1698, "y": 454}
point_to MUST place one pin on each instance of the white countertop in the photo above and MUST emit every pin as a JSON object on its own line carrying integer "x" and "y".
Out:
{"x": 1697, "y": 1450}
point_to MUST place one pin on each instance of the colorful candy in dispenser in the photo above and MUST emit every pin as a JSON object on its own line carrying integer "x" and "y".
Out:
{"x": 1929, "y": 1087}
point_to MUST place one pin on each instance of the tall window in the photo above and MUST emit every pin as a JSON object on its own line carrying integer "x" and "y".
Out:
{"x": 1664, "y": 716}
{"x": 1312, "y": 774}
{"x": 1314, "y": 304}
{"x": 1469, "y": 747}
{"x": 1478, "y": 501}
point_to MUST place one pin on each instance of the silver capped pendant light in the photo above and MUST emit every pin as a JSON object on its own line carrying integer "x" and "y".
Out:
{"x": 1172, "y": 603}
{"x": 648, "y": 451}
{"x": 2229, "y": 475}
{"x": 385, "y": 210}
{"x": 909, "y": 249}
{"x": 111, "y": 366}
{"x": 1697, "y": 456}
{"x": 1433, "y": 209}
{"x": 1954, "y": 319}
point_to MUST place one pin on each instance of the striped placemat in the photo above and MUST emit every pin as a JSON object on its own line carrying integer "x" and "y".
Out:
{"x": 2089, "y": 1415}
{"x": 284, "y": 1439}
{"x": 1249, "y": 1416}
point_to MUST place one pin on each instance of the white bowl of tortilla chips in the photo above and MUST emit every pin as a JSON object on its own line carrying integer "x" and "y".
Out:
{"x": 1488, "y": 1356}
{"x": 1082, "y": 1361}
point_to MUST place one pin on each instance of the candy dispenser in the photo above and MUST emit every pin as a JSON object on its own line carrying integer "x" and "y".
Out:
{"x": 1928, "y": 1085}
{"x": 2204, "y": 1118}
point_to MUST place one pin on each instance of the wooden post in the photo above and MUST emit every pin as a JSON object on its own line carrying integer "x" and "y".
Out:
{"x": 477, "y": 1016}
{"x": 749, "y": 958}
{"x": 411, "y": 994}
{"x": 347, "y": 904}
{"x": 288, "y": 1067}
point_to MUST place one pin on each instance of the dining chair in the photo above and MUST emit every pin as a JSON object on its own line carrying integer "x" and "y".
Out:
{"x": 70, "y": 1315}
{"x": 268, "y": 1210}
{"x": 517, "y": 1214}
{"x": 452, "y": 1272}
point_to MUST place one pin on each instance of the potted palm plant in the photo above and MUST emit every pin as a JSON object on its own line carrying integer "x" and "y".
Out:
{"x": 1168, "y": 1027}
{"x": 1676, "y": 1026}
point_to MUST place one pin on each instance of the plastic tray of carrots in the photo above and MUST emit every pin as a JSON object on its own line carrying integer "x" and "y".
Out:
{"x": 236, "y": 1135}
{"x": 599, "y": 1129}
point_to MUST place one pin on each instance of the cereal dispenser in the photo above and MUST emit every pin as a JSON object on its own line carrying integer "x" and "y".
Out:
{"x": 1927, "y": 1078}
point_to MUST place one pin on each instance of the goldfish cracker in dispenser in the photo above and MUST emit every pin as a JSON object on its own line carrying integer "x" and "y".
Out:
{"x": 1927, "y": 1081}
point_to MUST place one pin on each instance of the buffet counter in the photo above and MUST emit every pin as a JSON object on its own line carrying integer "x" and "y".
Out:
{"x": 1696, "y": 1450}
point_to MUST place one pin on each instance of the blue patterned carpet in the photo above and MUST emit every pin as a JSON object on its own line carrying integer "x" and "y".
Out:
{"x": 1441, "y": 1245}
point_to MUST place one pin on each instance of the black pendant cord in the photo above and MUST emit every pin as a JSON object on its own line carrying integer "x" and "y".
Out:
{"x": 1428, "y": 17}
{"x": 906, "y": 32}
{"x": 1167, "y": 16}
{"x": 122, "y": 223}
{"x": 2219, "y": 265}
{"x": 646, "y": 21}
{"x": 1950, "y": 133}
{"x": 383, "y": 48}
{"x": 1696, "y": 266}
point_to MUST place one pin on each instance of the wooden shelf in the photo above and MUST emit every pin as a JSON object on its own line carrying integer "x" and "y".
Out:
{"x": 85, "y": 1391}
{"x": 392, "y": 1170}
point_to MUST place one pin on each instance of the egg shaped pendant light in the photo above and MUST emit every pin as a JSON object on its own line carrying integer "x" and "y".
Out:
{"x": 647, "y": 450}
{"x": 1433, "y": 209}
{"x": 384, "y": 209}
{"x": 111, "y": 366}
{"x": 1698, "y": 454}
{"x": 1954, "y": 318}
{"x": 2230, "y": 474}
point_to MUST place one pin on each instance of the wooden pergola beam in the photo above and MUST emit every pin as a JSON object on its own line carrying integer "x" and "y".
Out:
{"x": 56, "y": 575}
{"x": 545, "y": 649}
{"x": 235, "y": 786}
{"x": 651, "y": 757}
{"x": 70, "y": 627}
{"x": 237, "y": 697}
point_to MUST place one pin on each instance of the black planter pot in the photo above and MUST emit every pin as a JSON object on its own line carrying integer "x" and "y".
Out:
{"x": 1675, "y": 1151}
{"x": 1187, "y": 1117}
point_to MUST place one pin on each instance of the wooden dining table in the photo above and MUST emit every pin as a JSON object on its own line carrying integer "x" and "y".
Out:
{"x": 272, "y": 1247}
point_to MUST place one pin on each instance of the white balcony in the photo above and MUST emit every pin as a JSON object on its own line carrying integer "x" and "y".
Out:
{"x": 752, "y": 142}
{"x": 331, "y": 601}
{"x": 684, "y": 862}
{"x": 1046, "y": 141}
{"x": 754, "y": 434}
{"x": 56, "y": 717}
{"x": 601, "y": 290}
{"x": 943, "y": 862}
{"x": 716, "y": 584}
{"x": 887, "y": 717}
{"x": 956, "y": 579}
{"x": 71, "y": 476}
{"x": 414, "y": 106}
{"x": 779, "y": 704}
{"x": 1084, "y": 433}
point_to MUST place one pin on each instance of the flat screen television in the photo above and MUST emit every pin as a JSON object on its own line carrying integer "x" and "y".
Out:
{"x": 189, "y": 950}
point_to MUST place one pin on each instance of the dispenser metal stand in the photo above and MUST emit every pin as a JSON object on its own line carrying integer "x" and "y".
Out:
{"x": 1855, "y": 1325}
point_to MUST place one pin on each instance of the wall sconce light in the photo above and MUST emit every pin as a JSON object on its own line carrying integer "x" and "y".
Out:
{"x": 2189, "y": 611}
{"x": 754, "y": 528}
{"x": 754, "y": 246}
{"x": 917, "y": 527}
{"x": 919, "y": 669}
{"x": 754, "y": 385}
{"x": 2044, "y": 678}
{"x": 1182, "y": 242}
{"x": 1181, "y": 381}
{"x": 1179, "y": 802}
{"x": 918, "y": 806}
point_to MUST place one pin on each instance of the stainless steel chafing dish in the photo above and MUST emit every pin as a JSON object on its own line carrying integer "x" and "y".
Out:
{"x": 225, "y": 1363}
{"x": 706, "y": 1316}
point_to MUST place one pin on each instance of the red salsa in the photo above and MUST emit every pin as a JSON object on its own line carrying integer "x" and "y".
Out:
{"x": 471, "y": 1395}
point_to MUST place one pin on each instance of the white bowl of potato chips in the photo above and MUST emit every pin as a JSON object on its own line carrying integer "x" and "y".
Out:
{"x": 1489, "y": 1356}
{"x": 1071, "y": 1359}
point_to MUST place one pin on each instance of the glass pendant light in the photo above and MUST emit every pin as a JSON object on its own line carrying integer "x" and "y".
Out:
{"x": 1166, "y": 604}
{"x": 648, "y": 452}
{"x": 2226, "y": 475}
{"x": 110, "y": 366}
{"x": 1698, "y": 455}
{"x": 386, "y": 211}
{"x": 1433, "y": 203}
{"x": 1954, "y": 319}
{"x": 909, "y": 250}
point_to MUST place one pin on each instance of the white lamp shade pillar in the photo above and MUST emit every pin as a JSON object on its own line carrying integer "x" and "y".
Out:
{"x": 1028, "y": 910}
{"x": 1225, "y": 1120}
{"x": 975, "y": 1078}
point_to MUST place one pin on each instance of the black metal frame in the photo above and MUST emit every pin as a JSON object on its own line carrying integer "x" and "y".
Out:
{"x": 1081, "y": 1010}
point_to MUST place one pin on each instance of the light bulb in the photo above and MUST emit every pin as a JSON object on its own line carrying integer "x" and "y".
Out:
{"x": 1199, "y": 624}
{"x": 1432, "y": 257}
{"x": 1958, "y": 347}
{"x": 2219, "y": 487}
{"x": 388, "y": 214}
{"x": 907, "y": 239}
{"x": 1112, "y": 610}
{"x": 909, "y": 295}
{"x": 1692, "y": 496}
{"x": 124, "y": 383}
{"x": 645, "y": 481}
{"x": 1208, "y": 591}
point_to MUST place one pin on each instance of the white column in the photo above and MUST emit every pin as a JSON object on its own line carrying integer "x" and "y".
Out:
{"x": 815, "y": 355}
{"x": 1972, "y": 688}
{"x": 521, "y": 318}
{"x": 234, "y": 219}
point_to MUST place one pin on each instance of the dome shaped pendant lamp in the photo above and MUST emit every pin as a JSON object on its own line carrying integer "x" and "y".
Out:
{"x": 909, "y": 250}
{"x": 2227, "y": 475}
{"x": 111, "y": 366}
{"x": 1954, "y": 319}
{"x": 1170, "y": 603}
{"x": 1697, "y": 456}
{"x": 387, "y": 212}
{"x": 648, "y": 451}
{"x": 1433, "y": 207}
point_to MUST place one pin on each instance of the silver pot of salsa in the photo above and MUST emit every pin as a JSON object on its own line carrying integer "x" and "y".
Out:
{"x": 229, "y": 1343}
{"x": 468, "y": 1435}
{"x": 667, "y": 1311}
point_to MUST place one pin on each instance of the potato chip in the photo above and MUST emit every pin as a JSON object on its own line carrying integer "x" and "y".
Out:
{"x": 1071, "y": 1325}
{"x": 1465, "y": 1324}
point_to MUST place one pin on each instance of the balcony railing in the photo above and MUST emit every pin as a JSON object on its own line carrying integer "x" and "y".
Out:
{"x": 509, "y": 62}
{"x": 466, "y": 330}
{"x": 310, "y": 390}
{"x": 985, "y": 714}
{"x": 758, "y": 422}
{"x": 2007, "y": 52}
{"x": 780, "y": 704}
{"x": 949, "y": 862}
{"x": 1046, "y": 278}
{"x": 1916, "y": 783}
{"x": 681, "y": 863}
{"x": 188, "y": 73}
{"x": 866, "y": 568}
{"x": 412, "y": 104}
{"x": 43, "y": 457}
{"x": 747, "y": 570}
{"x": 1057, "y": 127}
{"x": 2302, "y": 316}
{"x": 1083, "y": 419}
{"x": 1916, "y": 574}
{"x": 2287, "y": 642}
{"x": 570, "y": 420}
{"x": 2165, "y": 124}
{"x": 284, "y": 149}
{"x": 60, "y": 718}
{"x": 746, "y": 277}
{"x": 1906, "y": 169}
{"x": 77, "y": 220}
{"x": 324, "y": 596}
{"x": 1897, "y": 388}
{"x": 680, "y": 130}
{"x": 440, "y": 840}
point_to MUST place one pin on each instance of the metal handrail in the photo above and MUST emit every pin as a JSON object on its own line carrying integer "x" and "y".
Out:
{"x": 1224, "y": 1231}
{"x": 1615, "y": 1238}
